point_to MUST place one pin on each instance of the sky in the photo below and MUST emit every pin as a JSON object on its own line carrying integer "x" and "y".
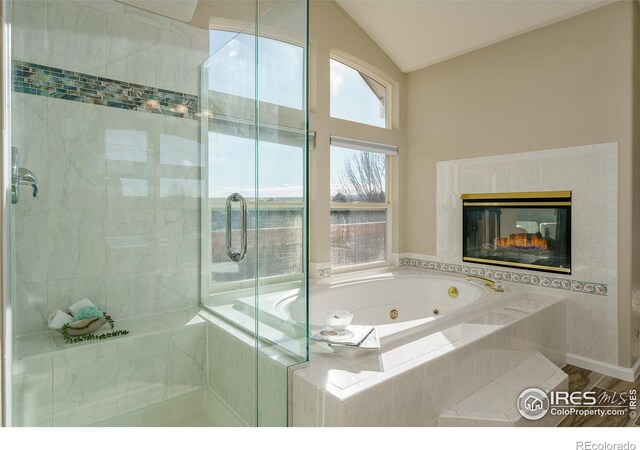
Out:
{"x": 280, "y": 74}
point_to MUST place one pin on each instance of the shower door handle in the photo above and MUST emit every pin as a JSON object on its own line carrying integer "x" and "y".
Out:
{"x": 20, "y": 175}
{"x": 235, "y": 256}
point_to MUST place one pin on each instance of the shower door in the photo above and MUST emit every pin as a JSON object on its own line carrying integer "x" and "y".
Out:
{"x": 254, "y": 129}
{"x": 174, "y": 204}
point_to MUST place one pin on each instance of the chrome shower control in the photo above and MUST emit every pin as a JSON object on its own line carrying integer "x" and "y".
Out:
{"x": 20, "y": 175}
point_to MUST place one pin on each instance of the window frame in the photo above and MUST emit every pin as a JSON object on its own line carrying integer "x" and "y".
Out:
{"x": 386, "y": 206}
{"x": 375, "y": 74}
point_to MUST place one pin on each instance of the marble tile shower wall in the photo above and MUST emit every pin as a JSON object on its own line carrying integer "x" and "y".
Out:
{"x": 108, "y": 39}
{"x": 590, "y": 172}
{"x": 118, "y": 218}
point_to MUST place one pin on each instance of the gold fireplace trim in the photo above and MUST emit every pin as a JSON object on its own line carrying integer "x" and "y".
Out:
{"x": 517, "y": 203}
{"x": 517, "y": 264}
{"x": 518, "y": 195}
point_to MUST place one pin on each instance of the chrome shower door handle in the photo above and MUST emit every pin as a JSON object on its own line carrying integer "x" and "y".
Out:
{"x": 20, "y": 175}
{"x": 235, "y": 256}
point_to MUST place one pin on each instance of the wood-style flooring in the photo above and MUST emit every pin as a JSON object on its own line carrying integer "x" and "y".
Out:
{"x": 586, "y": 380}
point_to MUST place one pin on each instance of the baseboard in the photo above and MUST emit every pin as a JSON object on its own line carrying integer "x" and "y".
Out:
{"x": 623, "y": 373}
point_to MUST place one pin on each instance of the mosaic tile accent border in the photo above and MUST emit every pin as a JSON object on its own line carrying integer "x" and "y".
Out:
{"x": 583, "y": 287}
{"x": 47, "y": 81}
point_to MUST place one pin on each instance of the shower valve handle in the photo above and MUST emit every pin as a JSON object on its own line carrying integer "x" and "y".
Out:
{"x": 21, "y": 176}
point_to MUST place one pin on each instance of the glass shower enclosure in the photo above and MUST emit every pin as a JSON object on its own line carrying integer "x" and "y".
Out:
{"x": 155, "y": 187}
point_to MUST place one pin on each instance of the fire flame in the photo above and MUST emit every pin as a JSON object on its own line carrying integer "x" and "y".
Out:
{"x": 523, "y": 240}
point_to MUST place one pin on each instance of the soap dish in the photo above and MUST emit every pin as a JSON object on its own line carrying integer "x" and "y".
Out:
{"x": 85, "y": 326}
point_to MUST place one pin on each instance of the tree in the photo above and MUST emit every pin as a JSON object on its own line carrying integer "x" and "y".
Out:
{"x": 340, "y": 198}
{"x": 363, "y": 176}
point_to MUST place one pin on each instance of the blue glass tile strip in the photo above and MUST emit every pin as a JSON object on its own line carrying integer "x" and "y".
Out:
{"x": 47, "y": 81}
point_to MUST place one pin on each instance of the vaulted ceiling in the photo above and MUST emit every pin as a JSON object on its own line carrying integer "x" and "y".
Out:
{"x": 419, "y": 33}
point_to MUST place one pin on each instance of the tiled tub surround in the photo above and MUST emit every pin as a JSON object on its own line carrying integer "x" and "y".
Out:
{"x": 590, "y": 172}
{"x": 413, "y": 381}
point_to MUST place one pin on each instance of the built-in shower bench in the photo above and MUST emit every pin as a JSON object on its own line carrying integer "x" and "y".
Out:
{"x": 161, "y": 359}
{"x": 179, "y": 367}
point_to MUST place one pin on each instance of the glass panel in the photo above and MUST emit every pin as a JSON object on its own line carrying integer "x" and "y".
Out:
{"x": 282, "y": 218}
{"x": 358, "y": 176}
{"x": 357, "y": 97}
{"x": 272, "y": 130}
{"x": 358, "y": 237}
{"x": 228, "y": 128}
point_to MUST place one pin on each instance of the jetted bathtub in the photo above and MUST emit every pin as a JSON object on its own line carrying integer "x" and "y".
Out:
{"x": 397, "y": 302}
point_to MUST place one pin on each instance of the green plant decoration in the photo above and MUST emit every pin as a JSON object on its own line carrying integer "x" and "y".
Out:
{"x": 89, "y": 337}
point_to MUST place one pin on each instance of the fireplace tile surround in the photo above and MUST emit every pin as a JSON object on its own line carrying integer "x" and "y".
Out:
{"x": 590, "y": 172}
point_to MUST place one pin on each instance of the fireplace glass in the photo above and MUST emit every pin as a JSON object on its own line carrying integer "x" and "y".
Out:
{"x": 521, "y": 230}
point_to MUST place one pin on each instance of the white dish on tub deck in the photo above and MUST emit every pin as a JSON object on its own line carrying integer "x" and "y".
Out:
{"x": 337, "y": 320}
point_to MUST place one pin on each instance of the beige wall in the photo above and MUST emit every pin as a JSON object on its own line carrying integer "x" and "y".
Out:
{"x": 564, "y": 85}
{"x": 332, "y": 29}
{"x": 635, "y": 297}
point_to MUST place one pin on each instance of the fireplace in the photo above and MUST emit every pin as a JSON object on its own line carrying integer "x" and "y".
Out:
{"x": 525, "y": 230}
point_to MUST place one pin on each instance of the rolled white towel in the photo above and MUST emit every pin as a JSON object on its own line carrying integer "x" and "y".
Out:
{"x": 77, "y": 306}
{"x": 58, "y": 319}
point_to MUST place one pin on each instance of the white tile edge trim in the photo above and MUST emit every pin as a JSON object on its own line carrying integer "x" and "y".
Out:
{"x": 623, "y": 373}
{"x": 319, "y": 270}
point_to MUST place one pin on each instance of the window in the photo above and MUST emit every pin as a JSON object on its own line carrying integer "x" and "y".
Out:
{"x": 360, "y": 207}
{"x": 280, "y": 66}
{"x": 357, "y": 97}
